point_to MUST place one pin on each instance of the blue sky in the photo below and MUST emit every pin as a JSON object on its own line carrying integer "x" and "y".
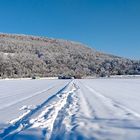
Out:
{"x": 111, "y": 26}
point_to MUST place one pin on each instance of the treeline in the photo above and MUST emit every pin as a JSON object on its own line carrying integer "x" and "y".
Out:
{"x": 27, "y": 56}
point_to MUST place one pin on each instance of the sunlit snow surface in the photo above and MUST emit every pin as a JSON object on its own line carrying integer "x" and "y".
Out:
{"x": 90, "y": 109}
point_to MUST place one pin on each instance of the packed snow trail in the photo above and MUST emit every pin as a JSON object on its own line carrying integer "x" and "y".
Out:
{"x": 46, "y": 116}
{"x": 23, "y": 122}
{"x": 77, "y": 112}
{"x": 53, "y": 115}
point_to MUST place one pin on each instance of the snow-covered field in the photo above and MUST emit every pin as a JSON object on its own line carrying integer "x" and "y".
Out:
{"x": 86, "y": 109}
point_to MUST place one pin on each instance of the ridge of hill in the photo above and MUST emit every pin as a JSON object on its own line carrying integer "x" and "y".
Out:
{"x": 27, "y": 56}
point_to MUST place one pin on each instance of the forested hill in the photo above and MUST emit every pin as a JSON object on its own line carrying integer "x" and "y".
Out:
{"x": 27, "y": 56}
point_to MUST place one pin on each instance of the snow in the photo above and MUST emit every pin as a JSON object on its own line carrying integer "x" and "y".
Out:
{"x": 14, "y": 94}
{"x": 102, "y": 109}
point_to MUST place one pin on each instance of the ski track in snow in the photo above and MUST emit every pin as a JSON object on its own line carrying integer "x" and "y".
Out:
{"x": 77, "y": 112}
{"x": 49, "y": 114}
{"x": 55, "y": 113}
{"x": 101, "y": 117}
{"x": 25, "y": 98}
{"x": 23, "y": 121}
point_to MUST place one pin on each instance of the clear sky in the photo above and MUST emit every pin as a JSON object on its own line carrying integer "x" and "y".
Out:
{"x": 112, "y": 26}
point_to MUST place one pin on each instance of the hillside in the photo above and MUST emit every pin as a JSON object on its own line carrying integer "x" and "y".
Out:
{"x": 27, "y": 56}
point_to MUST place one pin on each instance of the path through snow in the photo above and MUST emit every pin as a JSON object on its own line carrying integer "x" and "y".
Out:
{"x": 78, "y": 111}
